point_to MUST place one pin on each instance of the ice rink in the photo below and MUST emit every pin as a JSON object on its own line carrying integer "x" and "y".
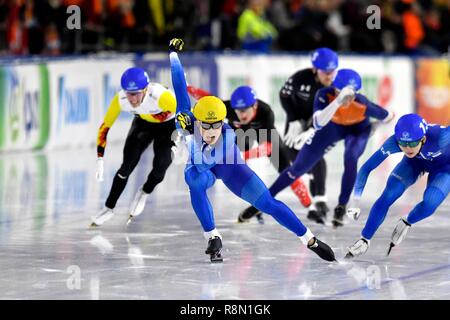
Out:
{"x": 48, "y": 251}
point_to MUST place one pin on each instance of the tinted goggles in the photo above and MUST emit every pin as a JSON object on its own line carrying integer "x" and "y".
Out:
{"x": 411, "y": 144}
{"x": 214, "y": 125}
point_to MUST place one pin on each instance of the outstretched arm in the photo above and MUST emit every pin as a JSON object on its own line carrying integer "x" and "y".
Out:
{"x": 322, "y": 116}
{"x": 184, "y": 117}
{"x": 178, "y": 79}
{"x": 388, "y": 148}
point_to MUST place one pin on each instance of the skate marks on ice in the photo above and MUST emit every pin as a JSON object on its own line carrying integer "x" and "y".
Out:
{"x": 47, "y": 252}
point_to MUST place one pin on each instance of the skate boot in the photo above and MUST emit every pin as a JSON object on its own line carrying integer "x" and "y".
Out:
{"x": 400, "y": 231}
{"x": 359, "y": 248}
{"x": 214, "y": 249}
{"x": 301, "y": 191}
{"x": 249, "y": 213}
{"x": 104, "y": 215}
{"x": 138, "y": 204}
{"x": 339, "y": 212}
{"x": 322, "y": 209}
{"x": 318, "y": 213}
{"x": 315, "y": 216}
{"x": 322, "y": 250}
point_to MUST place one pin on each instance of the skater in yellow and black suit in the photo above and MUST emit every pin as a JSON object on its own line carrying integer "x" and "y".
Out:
{"x": 153, "y": 106}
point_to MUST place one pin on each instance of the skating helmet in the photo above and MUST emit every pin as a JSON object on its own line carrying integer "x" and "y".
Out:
{"x": 134, "y": 79}
{"x": 210, "y": 109}
{"x": 410, "y": 128}
{"x": 325, "y": 59}
{"x": 347, "y": 77}
{"x": 243, "y": 97}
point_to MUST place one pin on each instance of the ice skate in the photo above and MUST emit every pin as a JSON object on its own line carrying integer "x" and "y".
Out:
{"x": 138, "y": 204}
{"x": 104, "y": 215}
{"x": 322, "y": 250}
{"x": 214, "y": 249}
{"x": 359, "y": 248}
{"x": 339, "y": 212}
{"x": 400, "y": 231}
{"x": 249, "y": 213}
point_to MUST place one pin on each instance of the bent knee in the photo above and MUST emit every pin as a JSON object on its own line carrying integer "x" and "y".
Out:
{"x": 265, "y": 202}
{"x": 199, "y": 180}
{"x": 433, "y": 197}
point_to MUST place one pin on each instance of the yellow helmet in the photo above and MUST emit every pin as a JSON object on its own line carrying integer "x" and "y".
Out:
{"x": 209, "y": 109}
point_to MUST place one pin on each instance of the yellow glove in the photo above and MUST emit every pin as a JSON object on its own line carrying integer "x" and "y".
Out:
{"x": 176, "y": 45}
{"x": 185, "y": 122}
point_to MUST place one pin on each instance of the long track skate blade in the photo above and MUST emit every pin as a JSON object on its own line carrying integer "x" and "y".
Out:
{"x": 337, "y": 224}
{"x": 348, "y": 256}
{"x": 129, "y": 219}
{"x": 216, "y": 258}
{"x": 390, "y": 248}
{"x": 260, "y": 219}
{"x": 94, "y": 225}
{"x": 240, "y": 220}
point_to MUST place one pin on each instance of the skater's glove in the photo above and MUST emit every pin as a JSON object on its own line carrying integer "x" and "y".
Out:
{"x": 176, "y": 45}
{"x": 345, "y": 95}
{"x": 302, "y": 138}
{"x": 100, "y": 169}
{"x": 353, "y": 213}
{"x": 294, "y": 130}
{"x": 185, "y": 122}
{"x": 375, "y": 125}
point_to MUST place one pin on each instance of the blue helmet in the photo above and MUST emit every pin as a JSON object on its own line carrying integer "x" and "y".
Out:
{"x": 134, "y": 79}
{"x": 325, "y": 59}
{"x": 243, "y": 97}
{"x": 410, "y": 127}
{"x": 347, "y": 77}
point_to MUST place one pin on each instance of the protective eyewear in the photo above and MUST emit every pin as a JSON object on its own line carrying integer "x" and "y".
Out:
{"x": 411, "y": 144}
{"x": 214, "y": 125}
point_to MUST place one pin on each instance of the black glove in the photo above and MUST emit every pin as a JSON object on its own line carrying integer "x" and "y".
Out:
{"x": 185, "y": 122}
{"x": 176, "y": 45}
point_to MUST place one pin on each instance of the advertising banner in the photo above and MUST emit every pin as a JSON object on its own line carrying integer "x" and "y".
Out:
{"x": 386, "y": 81}
{"x": 81, "y": 91}
{"x": 24, "y": 107}
{"x": 433, "y": 90}
{"x": 200, "y": 70}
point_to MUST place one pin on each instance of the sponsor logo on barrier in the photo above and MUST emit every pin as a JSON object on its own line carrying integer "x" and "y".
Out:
{"x": 23, "y": 108}
{"x": 109, "y": 91}
{"x": 31, "y": 105}
{"x": 15, "y": 90}
{"x": 73, "y": 104}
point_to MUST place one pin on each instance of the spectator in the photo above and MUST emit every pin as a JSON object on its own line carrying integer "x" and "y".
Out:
{"x": 254, "y": 31}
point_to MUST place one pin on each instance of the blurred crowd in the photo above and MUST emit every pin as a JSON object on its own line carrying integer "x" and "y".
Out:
{"x": 30, "y": 27}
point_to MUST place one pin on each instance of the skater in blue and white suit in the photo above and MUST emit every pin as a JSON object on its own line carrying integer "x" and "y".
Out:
{"x": 214, "y": 155}
{"x": 426, "y": 148}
